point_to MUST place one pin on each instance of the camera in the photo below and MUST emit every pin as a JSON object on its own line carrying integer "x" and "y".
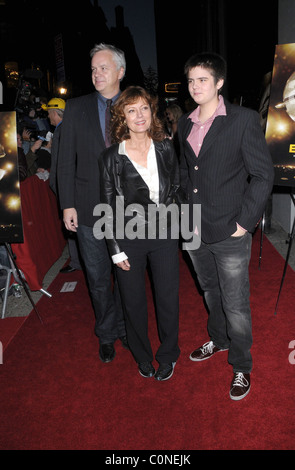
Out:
{"x": 28, "y": 100}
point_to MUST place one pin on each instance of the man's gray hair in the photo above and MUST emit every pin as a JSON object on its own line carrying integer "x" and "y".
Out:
{"x": 60, "y": 112}
{"x": 119, "y": 56}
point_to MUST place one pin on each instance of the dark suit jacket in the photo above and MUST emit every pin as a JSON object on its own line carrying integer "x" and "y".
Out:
{"x": 120, "y": 178}
{"x": 232, "y": 177}
{"x": 54, "y": 156}
{"x": 81, "y": 144}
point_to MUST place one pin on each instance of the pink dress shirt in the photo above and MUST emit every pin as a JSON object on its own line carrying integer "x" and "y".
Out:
{"x": 199, "y": 130}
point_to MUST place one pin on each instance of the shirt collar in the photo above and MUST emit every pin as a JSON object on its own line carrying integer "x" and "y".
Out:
{"x": 103, "y": 100}
{"x": 122, "y": 149}
{"x": 220, "y": 111}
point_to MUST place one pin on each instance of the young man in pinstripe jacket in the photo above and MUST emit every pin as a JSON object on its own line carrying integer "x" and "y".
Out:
{"x": 226, "y": 167}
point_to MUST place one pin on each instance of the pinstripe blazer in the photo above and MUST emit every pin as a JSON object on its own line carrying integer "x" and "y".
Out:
{"x": 81, "y": 144}
{"x": 54, "y": 157}
{"x": 232, "y": 177}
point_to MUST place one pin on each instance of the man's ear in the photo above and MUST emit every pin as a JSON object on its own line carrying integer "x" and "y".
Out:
{"x": 220, "y": 84}
{"x": 121, "y": 73}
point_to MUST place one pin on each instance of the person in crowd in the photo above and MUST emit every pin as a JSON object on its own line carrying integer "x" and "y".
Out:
{"x": 142, "y": 168}
{"x": 39, "y": 156}
{"x": 226, "y": 167}
{"x": 22, "y": 162}
{"x": 34, "y": 121}
{"x": 85, "y": 134}
{"x": 4, "y": 261}
{"x": 55, "y": 108}
{"x": 26, "y": 139}
{"x": 41, "y": 117}
{"x": 173, "y": 113}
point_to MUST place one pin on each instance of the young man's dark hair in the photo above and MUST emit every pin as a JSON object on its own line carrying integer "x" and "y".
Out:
{"x": 208, "y": 60}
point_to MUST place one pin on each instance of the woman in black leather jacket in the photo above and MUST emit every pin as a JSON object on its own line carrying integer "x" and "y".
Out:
{"x": 139, "y": 188}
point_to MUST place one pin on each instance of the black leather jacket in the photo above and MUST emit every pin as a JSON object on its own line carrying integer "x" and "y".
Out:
{"x": 120, "y": 178}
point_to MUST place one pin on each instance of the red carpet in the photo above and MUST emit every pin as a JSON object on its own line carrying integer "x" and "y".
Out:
{"x": 56, "y": 394}
{"x": 9, "y": 328}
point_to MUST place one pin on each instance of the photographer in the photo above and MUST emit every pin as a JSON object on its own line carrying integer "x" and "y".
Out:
{"x": 39, "y": 155}
{"x": 31, "y": 116}
{"x": 22, "y": 161}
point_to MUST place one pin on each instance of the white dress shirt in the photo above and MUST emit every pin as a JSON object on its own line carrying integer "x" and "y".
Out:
{"x": 150, "y": 176}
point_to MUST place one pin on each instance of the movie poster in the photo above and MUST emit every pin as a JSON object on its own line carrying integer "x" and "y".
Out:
{"x": 280, "y": 128}
{"x": 11, "y": 230}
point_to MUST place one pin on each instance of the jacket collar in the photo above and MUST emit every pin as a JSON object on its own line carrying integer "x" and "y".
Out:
{"x": 91, "y": 108}
{"x": 162, "y": 170}
{"x": 215, "y": 129}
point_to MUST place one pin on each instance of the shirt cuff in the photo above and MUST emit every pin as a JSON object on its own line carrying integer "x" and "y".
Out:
{"x": 119, "y": 257}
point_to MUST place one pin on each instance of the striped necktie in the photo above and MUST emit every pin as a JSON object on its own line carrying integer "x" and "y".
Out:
{"x": 107, "y": 123}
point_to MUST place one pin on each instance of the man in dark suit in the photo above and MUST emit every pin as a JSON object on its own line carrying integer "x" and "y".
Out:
{"x": 55, "y": 108}
{"x": 227, "y": 169}
{"x": 82, "y": 140}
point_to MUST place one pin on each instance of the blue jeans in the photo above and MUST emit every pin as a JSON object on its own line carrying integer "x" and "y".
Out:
{"x": 109, "y": 319}
{"x": 223, "y": 275}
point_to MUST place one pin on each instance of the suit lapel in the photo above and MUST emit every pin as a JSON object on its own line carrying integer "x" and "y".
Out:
{"x": 187, "y": 128}
{"x": 217, "y": 127}
{"x": 212, "y": 134}
{"x": 186, "y": 132}
{"x": 164, "y": 177}
{"x": 214, "y": 131}
{"x": 92, "y": 113}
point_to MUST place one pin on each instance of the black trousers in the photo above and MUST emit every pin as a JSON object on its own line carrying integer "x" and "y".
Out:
{"x": 163, "y": 259}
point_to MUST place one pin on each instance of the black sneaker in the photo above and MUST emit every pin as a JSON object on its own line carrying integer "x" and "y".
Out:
{"x": 146, "y": 369}
{"x": 205, "y": 352}
{"x": 240, "y": 386}
{"x": 165, "y": 371}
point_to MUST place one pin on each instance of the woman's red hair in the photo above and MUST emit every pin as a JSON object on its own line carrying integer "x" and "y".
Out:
{"x": 129, "y": 96}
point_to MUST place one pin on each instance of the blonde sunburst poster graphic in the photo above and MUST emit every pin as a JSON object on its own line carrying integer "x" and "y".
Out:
{"x": 280, "y": 128}
{"x": 11, "y": 230}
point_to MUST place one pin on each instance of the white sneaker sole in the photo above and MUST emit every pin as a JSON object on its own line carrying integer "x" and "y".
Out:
{"x": 205, "y": 358}
{"x": 240, "y": 397}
